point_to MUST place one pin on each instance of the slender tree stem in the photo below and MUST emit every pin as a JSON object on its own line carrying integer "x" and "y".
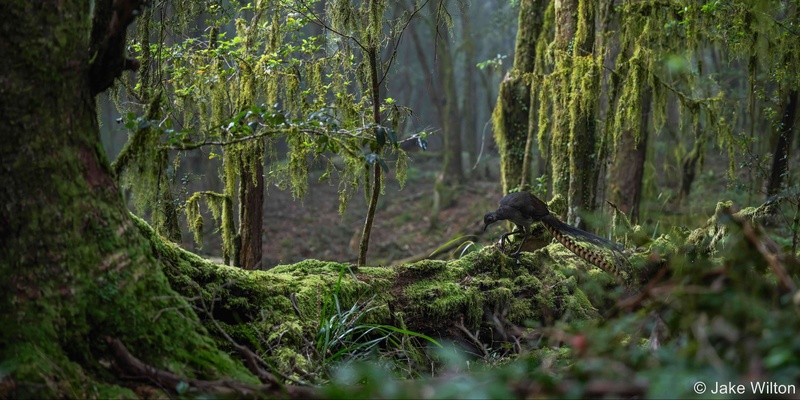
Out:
{"x": 372, "y": 53}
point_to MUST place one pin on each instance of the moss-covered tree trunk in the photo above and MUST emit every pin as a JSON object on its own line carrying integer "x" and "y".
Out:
{"x": 576, "y": 82}
{"x": 76, "y": 273}
{"x": 251, "y": 183}
{"x": 511, "y": 113}
{"x": 627, "y": 169}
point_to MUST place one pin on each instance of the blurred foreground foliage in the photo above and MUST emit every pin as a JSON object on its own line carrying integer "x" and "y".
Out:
{"x": 721, "y": 305}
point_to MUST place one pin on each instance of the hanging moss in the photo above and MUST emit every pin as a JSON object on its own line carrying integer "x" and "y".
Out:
{"x": 214, "y": 201}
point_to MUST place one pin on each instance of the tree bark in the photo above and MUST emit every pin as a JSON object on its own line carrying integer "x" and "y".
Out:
{"x": 577, "y": 82}
{"x": 372, "y": 54}
{"x": 252, "y": 215}
{"x": 251, "y": 181}
{"x": 628, "y": 167}
{"x": 74, "y": 268}
{"x": 780, "y": 159}
{"x": 469, "y": 103}
{"x": 452, "y": 126}
{"x": 511, "y": 113}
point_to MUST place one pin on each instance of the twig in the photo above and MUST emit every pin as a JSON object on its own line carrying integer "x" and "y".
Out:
{"x": 322, "y": 23}
{"x": 774, "y": 259}
{"x": 397, "y": 42}
{"x": 475, "y": 340}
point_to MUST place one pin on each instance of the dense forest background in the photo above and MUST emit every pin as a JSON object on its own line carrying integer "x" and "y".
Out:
{"x": 672, "y": 109}
{"x": 331, "y": 163}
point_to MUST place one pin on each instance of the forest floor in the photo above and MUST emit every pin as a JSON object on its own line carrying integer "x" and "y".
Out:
{"x": 404, "y": 226}
{"x": 311, "y": 227}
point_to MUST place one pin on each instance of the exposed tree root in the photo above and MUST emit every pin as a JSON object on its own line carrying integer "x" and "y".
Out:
{"x": 222, "y": 387}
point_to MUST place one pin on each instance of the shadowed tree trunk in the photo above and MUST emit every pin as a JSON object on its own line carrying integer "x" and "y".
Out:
{"x": 692, "y": 163}
{"x": 74, "y": 268}
{"x": 251, "y": 173}
{"x": 780, "y": 159}
{"x": 252, "y": 213}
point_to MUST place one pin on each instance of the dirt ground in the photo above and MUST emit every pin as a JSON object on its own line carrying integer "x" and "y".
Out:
{"x": 312, "y": 227}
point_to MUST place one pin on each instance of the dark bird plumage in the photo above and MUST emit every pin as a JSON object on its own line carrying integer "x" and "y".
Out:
{"x": 523, "y": 209}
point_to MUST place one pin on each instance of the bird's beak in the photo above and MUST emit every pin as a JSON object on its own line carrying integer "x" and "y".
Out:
{"x": 485, "y": 226}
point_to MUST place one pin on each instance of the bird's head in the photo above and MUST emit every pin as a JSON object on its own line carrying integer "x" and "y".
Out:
{"x": 489, "y": 218}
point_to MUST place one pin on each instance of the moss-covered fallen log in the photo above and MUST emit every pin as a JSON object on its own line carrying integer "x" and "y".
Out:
{"x": 480, "y": 298}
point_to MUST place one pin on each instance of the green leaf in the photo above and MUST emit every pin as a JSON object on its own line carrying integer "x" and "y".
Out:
{"x": 275, "y": 119}
{"x": 392, "y": 136}
{"x": 383, "y": 165}
{"x": 325, "y": 176}
{"x": 380, "y": 135}
{"x": 240, "y": 115}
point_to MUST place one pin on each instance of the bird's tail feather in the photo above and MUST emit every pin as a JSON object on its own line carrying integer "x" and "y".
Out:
{"x": 567, "y": 234}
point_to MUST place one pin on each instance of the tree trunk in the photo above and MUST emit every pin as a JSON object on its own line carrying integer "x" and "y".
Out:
{"x": 76, "y": 273}
{"x": 451, "y": 120}
{"x": 692, "y": 163}
{"x": 780, "y": 159}
{"x": 251, "y": 227}
{"x": 627, "y": 170}
{"x": 372, "y": 54}
{"x": 469, "y": 103}
{"x": 251, "y": 174}
{"x": 577, "y": 85}
{"x": 512, "y": 110}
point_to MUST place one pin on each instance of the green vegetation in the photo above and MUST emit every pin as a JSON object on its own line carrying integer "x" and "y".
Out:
{"x": 646, "y": 104}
